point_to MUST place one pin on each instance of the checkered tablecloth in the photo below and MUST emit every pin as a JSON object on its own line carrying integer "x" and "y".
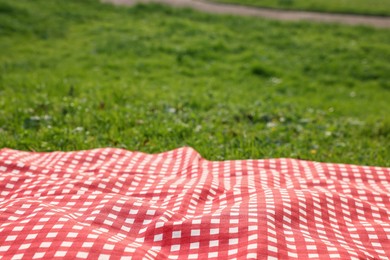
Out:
{"x": 113, "y": 203}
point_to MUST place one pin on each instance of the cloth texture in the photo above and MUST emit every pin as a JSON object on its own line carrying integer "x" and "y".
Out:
{"x": 111, "y": 204}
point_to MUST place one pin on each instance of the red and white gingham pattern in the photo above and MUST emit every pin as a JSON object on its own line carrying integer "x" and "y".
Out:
{"x": 112, "y": 203}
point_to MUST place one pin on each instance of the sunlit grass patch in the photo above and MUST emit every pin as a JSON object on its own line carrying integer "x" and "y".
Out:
{"x": 80, "y": 75}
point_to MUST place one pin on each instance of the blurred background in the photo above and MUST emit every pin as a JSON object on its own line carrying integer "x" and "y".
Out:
{"x": 83, "y": 74}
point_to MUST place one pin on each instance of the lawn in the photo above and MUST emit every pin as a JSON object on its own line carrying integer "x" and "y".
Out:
{"x": 80, "y": 75}
{"x": 368, "y": 7}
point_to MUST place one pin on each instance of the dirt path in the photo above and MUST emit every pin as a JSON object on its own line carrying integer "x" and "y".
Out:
{"x": 381, "y": 22}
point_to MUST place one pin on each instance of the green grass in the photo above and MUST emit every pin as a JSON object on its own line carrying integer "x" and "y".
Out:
{"x": 80, "y": 75}
{"x": 366, "y": 7}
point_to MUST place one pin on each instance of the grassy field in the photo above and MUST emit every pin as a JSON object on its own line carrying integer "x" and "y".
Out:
{"x": 368, "y": 7}
{"x": 79, "y": 75}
